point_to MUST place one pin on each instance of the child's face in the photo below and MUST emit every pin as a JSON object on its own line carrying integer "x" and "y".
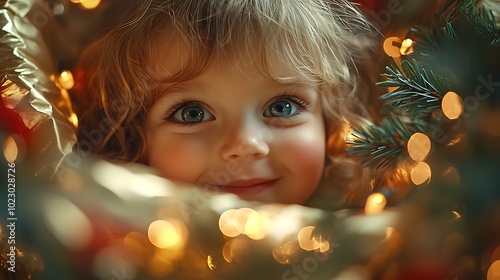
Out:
{"x": 234, "y": 130}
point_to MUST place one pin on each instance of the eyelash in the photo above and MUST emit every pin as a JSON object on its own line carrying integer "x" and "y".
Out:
{"x": 292, "y": 97}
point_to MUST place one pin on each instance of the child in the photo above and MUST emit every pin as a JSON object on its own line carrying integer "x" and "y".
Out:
{"x": 234, "y": 95}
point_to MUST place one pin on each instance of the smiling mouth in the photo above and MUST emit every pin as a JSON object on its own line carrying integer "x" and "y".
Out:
{"x": 248, "y": 186}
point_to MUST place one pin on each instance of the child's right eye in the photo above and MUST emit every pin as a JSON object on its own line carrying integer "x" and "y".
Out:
{"x": 190, "y": 114}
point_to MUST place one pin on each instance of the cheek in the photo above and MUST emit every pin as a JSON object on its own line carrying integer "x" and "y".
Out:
{"x": 308, "y": 157}
{"x": 177, "y": 159}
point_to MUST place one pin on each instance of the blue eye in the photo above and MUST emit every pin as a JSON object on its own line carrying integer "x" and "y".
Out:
{"x": 281, "y": 109}
{"x": 191, "y": 114}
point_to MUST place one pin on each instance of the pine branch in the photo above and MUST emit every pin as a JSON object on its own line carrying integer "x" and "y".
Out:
{"x": 418, "y": 88}
{"x": 379, "y": 145}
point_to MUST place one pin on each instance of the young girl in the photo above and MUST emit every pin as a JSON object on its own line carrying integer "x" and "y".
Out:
{"x": 247, "y": 97}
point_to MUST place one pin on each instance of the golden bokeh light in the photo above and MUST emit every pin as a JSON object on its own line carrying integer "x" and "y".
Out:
{"x": 309, "y": 241}
{"x": 406, "y": 46}
{"x": 66, "y": 80}
{"x": 420, "y": 173}
{"x": 392, "y": 46}
{"x": 166, "y": 234}
{"x": 226, "y": 224}
{"x": 494, "y": 271}
{"x": 375, "y": 203}
{"x": 10, "y": 149}
{"x": 241, "y": 217}
{"x": 419, "y": 146}
{"x": 256, "y": 226}
{"x": 305, "y": 238}
{"x": 452, "y": 105}
{"x": 90, "y": 4}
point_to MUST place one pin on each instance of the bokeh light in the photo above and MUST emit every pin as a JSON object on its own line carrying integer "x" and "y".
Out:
{"x": 375, "y": 203}
{"x": 66, "y": 80}
{"x": 419, "y": 146}
{"x": 421, "y": 173}
{"x": 226, "y": 224}
{"x": 452, "y": 105}
{"x": 494, "y": 271}
{"x": 14, "y": 148}
{"x": 166, "y": 233}
{"x": 90, "y": 4}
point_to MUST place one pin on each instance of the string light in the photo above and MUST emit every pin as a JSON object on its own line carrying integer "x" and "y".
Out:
{"x": 392, "y": 46}
{"x": 406, "y": 47}
{"x": 66, "y": 80}
{"x": 375, "y": 203}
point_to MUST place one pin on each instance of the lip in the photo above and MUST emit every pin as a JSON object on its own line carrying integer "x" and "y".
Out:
{"x": 248, "y": 186}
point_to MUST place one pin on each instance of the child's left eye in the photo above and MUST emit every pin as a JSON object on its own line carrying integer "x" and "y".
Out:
{"x": 284, "y": 106}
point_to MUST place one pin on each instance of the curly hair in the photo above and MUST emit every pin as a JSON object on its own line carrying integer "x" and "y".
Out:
{"x": 320, "y": 41}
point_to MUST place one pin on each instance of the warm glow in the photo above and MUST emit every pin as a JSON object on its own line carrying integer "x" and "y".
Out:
{"x": 456, "y": 214}
{"x": 76, "y": 1}
{"x": 90, "y": 4}
{"x": 74, "y": 119}
{"x": 66, "y": 80}
{"x": 309, "y": 241}
{"x": 419, "y": 146}
{"x": 305, "y": 238}
{"x": 164, "y": 234}
{"x": 240, "y": 218}
{"x": 375, "y": 203}
{"x": 392, "y": 46}
{"x": 406, "y": 47}
{"x": 420, "y": 173}
{"x": 226, "y": 224}
{"x": 256, "y": 226}
{"x": 10, "y": 150}
{"x": 494, "y": 271}
{"x": 452, "y": 105}
{"x": 210, "y": 262}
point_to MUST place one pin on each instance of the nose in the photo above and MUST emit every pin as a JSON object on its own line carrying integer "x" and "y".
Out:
{"x": 247, "y": 141}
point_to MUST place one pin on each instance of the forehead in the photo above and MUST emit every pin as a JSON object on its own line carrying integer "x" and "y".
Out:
{"x": 175, "y": 59}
